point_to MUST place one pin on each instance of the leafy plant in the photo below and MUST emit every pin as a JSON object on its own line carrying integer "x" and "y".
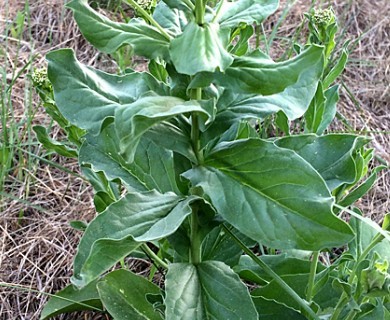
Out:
{"x": 181, "y": 173}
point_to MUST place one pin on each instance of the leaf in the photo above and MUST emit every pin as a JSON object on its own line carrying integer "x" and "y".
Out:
{"x": 152, "y": 168}
{"x": 86, "y": 96}
{"x": 200, "y": 48}
{"x": 52, "y": 145}
{"x": 171, "y": 19}
{"x": 136, "y": 218}
{"x": 123, "y": 294}
{"x": 331, "y": 155}
{"x": 270, "y": 195}
{"x": 133, "y": 120}
{"x": 273, "y": 291}
{"x": 280, "y": 264}
{"x": 330, "y": 108}
{"x": 208, "y": 290}
{"x": 242, "y": 46}
{"x": 336, "y": 70}
{"x": 263, "y": 76}
{"x": 219, "y": 246}
{"x": 246, "y": 11}
{"x": 271, "y": 310}
{"x": 108, "y": 36}
{"x": 71, "y": 299}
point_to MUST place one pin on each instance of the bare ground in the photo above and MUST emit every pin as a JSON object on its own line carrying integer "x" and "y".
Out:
{"x": 36, "y": 242}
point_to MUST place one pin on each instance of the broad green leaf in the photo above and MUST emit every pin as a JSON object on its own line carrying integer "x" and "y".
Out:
{"x": 71, "y": 299}
{"x": 331, "y": 155}
{"x": 271, "y": 195}
{"x": 152, "y": 168}
{"x": 123, "y": 294}
{"x": 136, "y": 218}
{"x": 174, "y": 135}
{"x": 53, "y": 145}
{"x": 208, "y": 290}
{"x": 246, "y": 11}
{"x": 280, "y": 264}
{"x": 108, "y": 36}
{"x": 133, "y": 120}
{"x": 271, "y": 310}
{"x": 272, "y": 291}
{"x": 181, "y": 5}
{"x": 263, "y": 76}
{"x": 172, "y": 20}
{"x": 86, "y": 96}
{"x": 200, "y": 48}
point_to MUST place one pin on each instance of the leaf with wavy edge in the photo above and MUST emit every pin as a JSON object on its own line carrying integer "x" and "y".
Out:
{"x": 123, "y": 226}
{"x": 86, "y": 96}
{"x": 108, "y": 36}
{"x": 271, "y": 195}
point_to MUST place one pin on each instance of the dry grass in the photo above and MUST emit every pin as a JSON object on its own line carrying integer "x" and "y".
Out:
{"x": 36, "y": 250}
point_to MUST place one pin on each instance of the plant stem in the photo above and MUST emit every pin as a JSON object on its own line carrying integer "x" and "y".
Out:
{"x": 189, "y": 4}
{"x": 312, "y": 276}
{"x": 196, "y": 94}
{"x": 199, "y": 12}
{"x": 217, "y": 13}
{"x": 304, "y": 305}
{"x": 147, "y": 16}
{"x": 154, "y": 256}
{"x": 195, "y": 256}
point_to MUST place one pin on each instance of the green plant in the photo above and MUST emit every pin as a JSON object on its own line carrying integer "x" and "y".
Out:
{"x": 201, "y": 187}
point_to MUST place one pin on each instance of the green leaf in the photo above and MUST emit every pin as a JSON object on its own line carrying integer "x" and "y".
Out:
{"x": 108, "y": 36}
{"x": 271, "y": 310}
{"x": 136, "y": 218}
{"x": 242, "y": 45}
{"x": 336, "y": 70}
{"x": 152, "y": 168}
{"x": 280, "y": 264}
{"x": 263, "y": 76}
{"x": 209, "y": 290}
{"x": 123, "y": 294}
{"x": 86, "y": 96}
{"x": 273, "y": 291}
{"x": 172, "y": 20}
{"x": 270, "y": 195}
{"x": 219, "y": 246}
{"x": 330, "y": 108}
{"x": 52, "y": 145}
{"x": 200, "y": 48}
{"x": 246, "y": 11}
{"x": 71, "y": 299}
{"x": 133, "y": 120}
{"x": 331, "y": 155}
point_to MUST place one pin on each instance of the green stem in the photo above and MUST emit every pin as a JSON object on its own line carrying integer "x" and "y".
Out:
{"x": 218, "y": 12}
{"x": 304, "y": 305}
{"x": 153, "y": 256}
{"x": 196, "y": 94}
{"x": 312, "y": 275}
{"x": 199, "y": 12}
{"x": 147, "y": 16}
{"x": 189, "y": 4}
{"x": 196, "y": 256}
